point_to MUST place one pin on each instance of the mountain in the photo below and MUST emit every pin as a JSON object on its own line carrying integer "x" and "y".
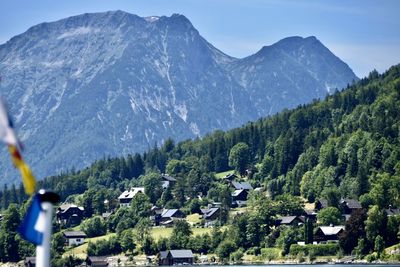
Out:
{"x": 114, "y": 83}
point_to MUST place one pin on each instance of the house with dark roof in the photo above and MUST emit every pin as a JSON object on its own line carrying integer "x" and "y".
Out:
{"x": 229, "y": 177}
{"x": 155, "y": 215}
{"x": 310, "y": 214}
{"x": 169, "y": 215}
{"x": 167, "y": 180}
{"x": 239, "y": 198}
{"x": 74, "y": 238}
{"x": 328, "y": 233}
{"x": 176, "y": 257}
{"x": 98, "y": 261}
{"x": 69, "y": 214}
{"x": 210, "y": 215}
{"x": 348, "y": 205}
{"x": 126, "y": 197}
{"x": 241, "y": 186}
{"x": 290, "y": 220}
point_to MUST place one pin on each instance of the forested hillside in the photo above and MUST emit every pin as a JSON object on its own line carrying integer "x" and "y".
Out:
{"x": 345, "y": 146}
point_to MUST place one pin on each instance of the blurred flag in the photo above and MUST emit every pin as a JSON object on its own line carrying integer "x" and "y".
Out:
{"x": 7, "y": 135}
{"x": 31, "y": 224}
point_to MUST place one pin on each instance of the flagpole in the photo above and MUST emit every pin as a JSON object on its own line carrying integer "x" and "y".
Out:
{"x": 48, "y": 199}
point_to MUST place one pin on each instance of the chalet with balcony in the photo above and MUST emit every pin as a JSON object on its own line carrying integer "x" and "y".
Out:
{"x": 126, "y": 197}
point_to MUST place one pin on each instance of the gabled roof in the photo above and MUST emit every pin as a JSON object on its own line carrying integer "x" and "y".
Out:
{"x": 131, "y": 193}
{"x": 210, "y": 212}
{"x": 181, "y": 253}
{"x": 242, "y": 185}
{"x": 66, "y": 206}
{"x": 167, "y": 213}
{"x": 230, "y": 176}
{"x": 351, "y": 203}
{"x": 331, "y": 230}
{"x": 237, "y": 192}
{"x": 168, "y": 178}
{"x": 74, "y": 234}
{"x": 287, "y": 219}
{"x": 97, "y": 260}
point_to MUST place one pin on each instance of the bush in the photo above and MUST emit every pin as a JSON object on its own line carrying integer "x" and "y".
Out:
{"x": 237, "y": 256}
{"x": 316, "y": 250}
{"x": 94, "y": 227}
{"x": 270, "y": 253}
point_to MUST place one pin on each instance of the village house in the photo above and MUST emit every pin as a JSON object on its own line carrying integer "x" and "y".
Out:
{"x": 167, "y": 180}
{"x": 98, "y": 261}
{"x": 241, "y": 186}
{"x": 155, "y": 215}
{"x": 169, "y": 215}
{"x": 69, "y": 214}
{"x": 176, "y": 257}
{"x": 239, "y": 198}
{"x": 347, "y": 205}
{"x": 229, "y": 178}
{"x": 328, "y": 233}
{"x": 290, "y": 221}
{"x": 74, "y": 238}
{"x": 310, "y": 214}
{"x": 210, "y": 215}
{"x": 126, "y": 197}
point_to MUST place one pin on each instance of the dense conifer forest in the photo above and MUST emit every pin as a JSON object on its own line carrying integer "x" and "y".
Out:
{"x": 345, "y": 146}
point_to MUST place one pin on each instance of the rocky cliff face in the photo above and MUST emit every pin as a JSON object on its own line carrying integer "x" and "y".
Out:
{"x": 114, "y": 83}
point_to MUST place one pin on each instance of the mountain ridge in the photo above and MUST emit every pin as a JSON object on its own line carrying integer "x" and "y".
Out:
{"x": 116, "y": 83}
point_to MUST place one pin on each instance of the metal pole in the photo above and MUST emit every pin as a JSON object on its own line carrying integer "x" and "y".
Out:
{"x": 43, "y": 250}
{"x": 44, "y": 225}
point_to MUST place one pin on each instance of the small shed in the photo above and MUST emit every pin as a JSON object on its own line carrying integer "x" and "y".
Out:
{"x": 74, "y": 238}
{"x": 176, "y": 257}
{"x": 98, "y": 261}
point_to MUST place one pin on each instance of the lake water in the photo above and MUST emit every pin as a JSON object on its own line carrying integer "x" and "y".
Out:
{"x": 317, "y": 265}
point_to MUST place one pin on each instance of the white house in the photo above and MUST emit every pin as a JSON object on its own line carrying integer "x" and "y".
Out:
{"x": 74, "y": 238}
{"x": 126, "y": 197}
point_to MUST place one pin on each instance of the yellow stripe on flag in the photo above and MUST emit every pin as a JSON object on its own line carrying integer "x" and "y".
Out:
{"x": 27, "y": 177}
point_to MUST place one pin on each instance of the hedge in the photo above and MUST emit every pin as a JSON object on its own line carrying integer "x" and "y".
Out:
{"x": 316, "y": 250}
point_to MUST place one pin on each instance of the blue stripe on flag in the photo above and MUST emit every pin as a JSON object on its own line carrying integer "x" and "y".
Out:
{"x": 27, "y": 227}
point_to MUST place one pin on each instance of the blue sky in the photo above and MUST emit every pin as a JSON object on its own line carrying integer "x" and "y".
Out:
{"x": 363, "y": 33}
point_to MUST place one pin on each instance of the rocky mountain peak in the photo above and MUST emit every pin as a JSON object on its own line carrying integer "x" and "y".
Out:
{"x": 114, "y": 83}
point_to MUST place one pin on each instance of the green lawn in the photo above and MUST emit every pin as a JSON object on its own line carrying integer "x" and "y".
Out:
{"x": 221, "y": 175}
{"x": 158, "y": 232}
{"x": 80, "y": 251}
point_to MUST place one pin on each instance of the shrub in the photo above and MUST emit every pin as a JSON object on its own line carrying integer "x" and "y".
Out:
{"x": 270, "y": 253}
{"x": 316, "y": 250}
